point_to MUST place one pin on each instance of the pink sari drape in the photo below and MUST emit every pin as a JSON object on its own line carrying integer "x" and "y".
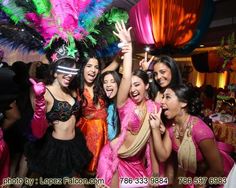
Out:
{"x": 140, "y": 20}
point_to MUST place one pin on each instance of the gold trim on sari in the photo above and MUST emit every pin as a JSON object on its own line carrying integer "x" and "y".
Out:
{"x": 139, "y": 142}
{"x": 187, "y": 158}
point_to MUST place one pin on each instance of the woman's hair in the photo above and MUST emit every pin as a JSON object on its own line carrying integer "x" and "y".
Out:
{"x": 115, "y": 75}
{"x": 67, "y": 62}
{"x": 176, "y": 77}
{"x": 97, "y": 91}
{"x": 190, "y": 96}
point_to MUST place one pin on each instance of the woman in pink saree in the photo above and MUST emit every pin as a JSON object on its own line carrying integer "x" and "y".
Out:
{"x": 192, "y": 141}
{"x": 128, "y": 160}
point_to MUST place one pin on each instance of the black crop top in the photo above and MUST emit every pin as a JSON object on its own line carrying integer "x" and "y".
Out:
{"x": 61, "y": 110}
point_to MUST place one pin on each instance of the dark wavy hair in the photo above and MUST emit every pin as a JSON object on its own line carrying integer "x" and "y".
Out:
{"x": 176, "y": 78}
{"x": 189, "y": 95}
{"x": 97, "y": 91}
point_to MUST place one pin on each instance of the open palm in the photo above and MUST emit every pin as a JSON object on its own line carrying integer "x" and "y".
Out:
{"x": 122, "y": 33}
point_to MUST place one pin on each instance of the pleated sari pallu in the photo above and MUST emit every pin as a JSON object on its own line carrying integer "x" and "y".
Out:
{"x": 131, "y": 158}
{"x": 128, "y": 161}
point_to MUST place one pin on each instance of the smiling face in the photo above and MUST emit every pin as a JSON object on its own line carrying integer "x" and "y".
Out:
{"x": 171, "y": 105}
{"x": 110, "y": 86}
{"x": 162, "y": 74}
{"x": 138, "y": 89}
{"x": 64, "y": 79}
{"x": 91, "y": 70}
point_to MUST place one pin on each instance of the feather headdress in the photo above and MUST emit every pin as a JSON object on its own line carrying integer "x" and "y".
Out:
{"x": 35, "y": 24}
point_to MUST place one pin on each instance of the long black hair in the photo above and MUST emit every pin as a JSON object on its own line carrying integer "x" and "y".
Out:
{"x": 190, "y": 96}
{"x": 176, "y": 77}
{"x": 97, "y": 91}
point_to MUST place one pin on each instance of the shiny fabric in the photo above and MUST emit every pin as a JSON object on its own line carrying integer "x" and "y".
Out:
{"x": 112, "y": 121}
{"x": 110, "y": 161}
{"x": 172, "y": 25}
{"x": 140, "y": 20}
{"x": 200, "y": 132}
{"x": 174, "y": 21}
{"x": 133, "y": 167}
{"x": 90, "y": 109}
{"x": 94, "y": 128}
{"x": 4, "y": 159}
{"x": 95, "y": 132}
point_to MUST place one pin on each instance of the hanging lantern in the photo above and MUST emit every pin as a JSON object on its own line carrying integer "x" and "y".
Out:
{"x": 174, "y": 26}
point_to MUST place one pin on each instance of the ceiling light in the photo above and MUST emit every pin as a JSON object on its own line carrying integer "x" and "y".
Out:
{"x": 147, "y": 49}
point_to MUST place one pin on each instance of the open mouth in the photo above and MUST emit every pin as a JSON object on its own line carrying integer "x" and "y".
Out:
{"x": 135, "y": 95}
{"x": 67, "y": 80}
{"x": 164, "y": 110}
{"x": 109, "y": 92}
{"x": 91, "y": 75}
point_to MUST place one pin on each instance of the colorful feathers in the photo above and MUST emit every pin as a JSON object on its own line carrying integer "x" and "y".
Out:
{"x": 37, "y": 23}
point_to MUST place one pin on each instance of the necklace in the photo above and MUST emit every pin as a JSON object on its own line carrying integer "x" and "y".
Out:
{"x": 179, "y": 131}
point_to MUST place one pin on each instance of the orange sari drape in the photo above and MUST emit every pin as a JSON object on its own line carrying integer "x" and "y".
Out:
{"x": 174, "y": 21}
{"x": 93, "y": 125}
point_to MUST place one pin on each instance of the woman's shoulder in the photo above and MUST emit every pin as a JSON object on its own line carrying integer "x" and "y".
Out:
{"x": 152, "y": 105}
{"x": 200, "y": 130}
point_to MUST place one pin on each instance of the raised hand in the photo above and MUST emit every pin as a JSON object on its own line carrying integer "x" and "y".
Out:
{"x": 145, "y": 63}
{"x": 38, "y": 88}
{"x": 155, "y": 119}
{"x": 122, "y": 33}
{"x": 126, "y": 48}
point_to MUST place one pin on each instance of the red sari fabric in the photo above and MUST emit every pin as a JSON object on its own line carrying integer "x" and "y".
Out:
{"x": 94, "y": 128}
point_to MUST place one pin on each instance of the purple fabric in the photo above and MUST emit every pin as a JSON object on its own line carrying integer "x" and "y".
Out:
{"x": 140, "y": 21}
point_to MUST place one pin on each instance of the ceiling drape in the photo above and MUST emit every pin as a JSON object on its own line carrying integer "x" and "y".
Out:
{"x": 140, "y": 20}
{"x": 174, "y": 21}
{"x": 174, "y": 25}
